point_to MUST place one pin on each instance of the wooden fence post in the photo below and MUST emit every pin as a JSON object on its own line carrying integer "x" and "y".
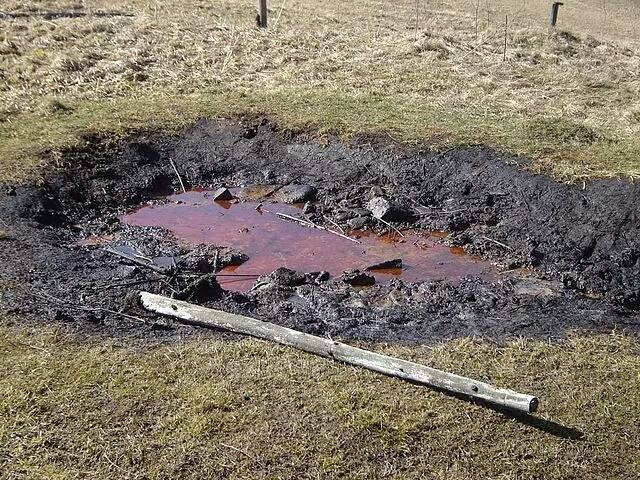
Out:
{"x": 262, "y": 14}
{"x": 553, "y": 15}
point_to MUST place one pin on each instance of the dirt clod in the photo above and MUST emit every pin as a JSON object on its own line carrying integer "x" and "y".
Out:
{"x": 358, "y": 278}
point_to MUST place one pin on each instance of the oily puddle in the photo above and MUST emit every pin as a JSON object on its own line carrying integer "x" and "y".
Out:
{"x": 272, "y": 242}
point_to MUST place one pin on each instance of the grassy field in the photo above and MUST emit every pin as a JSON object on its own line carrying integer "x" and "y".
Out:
{"x": 72, "y": 407}
{"x": 420, "y": 70}
{"x": 206, "y": 408}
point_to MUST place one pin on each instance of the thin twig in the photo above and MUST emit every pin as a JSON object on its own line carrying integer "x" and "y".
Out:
{"x": 390, "y": 226}
{"x": 506, "y": 26}
{"x": 175, "y": 169}
{"x": 28, "y": 345}
{"x": 125, "y": 284}
{"x": 252, "y": 275}
{"x": 169, "y": 285}
{"x": 417, "y": 18}
{"x": 313, "y": 225}
{"x": 251, "y": 457}
{"x": 227, "y": 58}
{"x": 477, "y": 9}
{"x": 72, "y": 305}
{"x": 333, "y": 223}
{"x": 497, "y": 242}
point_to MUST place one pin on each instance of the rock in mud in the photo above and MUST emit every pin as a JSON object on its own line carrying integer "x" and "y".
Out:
{"x": 358, "y": 278}
{"x": 357, "y": 222}
{"x": 297, "y": 194}
{"x": 285, "y": 277}
{"x": 231, "y": 257}
{"x": 309, "y": 208}
{"x": 395, "y": 263}
{"x": 203, "y": 258}
{"x": 126, "y": 271}
{"x": 383, "y": 209}
{"x": 538, "y": 288}
{"x": 204, "y": 289}
{"x": 316, "y": 278}
{"x": 222, "y": 194}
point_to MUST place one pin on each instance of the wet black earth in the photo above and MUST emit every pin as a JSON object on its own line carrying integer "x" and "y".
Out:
{"x": 570, "y": 255}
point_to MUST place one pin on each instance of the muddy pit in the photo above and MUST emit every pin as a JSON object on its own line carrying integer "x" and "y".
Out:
{"x": 487, "y": 248}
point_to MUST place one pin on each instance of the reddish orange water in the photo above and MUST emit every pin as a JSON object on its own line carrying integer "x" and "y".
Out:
{"x": 272, "y": 242}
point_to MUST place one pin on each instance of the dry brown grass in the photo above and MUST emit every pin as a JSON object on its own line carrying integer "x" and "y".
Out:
{"x": 364, "y": 50}
{"x": 206, "y": 408}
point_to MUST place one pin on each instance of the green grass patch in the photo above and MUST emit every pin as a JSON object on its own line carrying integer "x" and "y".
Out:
{"x": 206, "y": 408}
{"x": 565, "y": 149}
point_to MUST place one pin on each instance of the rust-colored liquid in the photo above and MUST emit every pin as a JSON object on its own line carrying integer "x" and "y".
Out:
{"x": 272, "y": 242}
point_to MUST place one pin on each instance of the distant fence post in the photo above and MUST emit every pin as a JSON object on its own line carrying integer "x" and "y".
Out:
{"x": 262, "y": 14}
{"x": 553, "y": 15}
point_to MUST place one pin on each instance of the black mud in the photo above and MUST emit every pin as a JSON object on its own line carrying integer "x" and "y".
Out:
{"x": 570, "y": 255}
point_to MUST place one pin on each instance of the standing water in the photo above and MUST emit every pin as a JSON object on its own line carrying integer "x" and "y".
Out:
{"x": 272, "y": 242}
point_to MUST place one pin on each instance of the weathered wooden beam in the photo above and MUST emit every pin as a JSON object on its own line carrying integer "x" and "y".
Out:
{"x": 205, "y": 317}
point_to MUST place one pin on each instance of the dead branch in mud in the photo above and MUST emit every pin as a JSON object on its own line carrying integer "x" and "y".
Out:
{"x": 503, "y": 245}
{"x": 74, "y": 306}
{"x": 204, "y": 317}
{"x": 175, "y": 169}
{"x": 137, "y": 261}
{"x": 277, "y": 189}
{"x": 215, "y": 261}
{"x": 390, "y": 226}
{"x": 314, "y": 225}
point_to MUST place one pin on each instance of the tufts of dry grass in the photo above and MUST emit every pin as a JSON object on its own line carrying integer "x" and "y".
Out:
{"x": 71, "y": 408}
{"x": 399, "y": 55}
{"x": 569, "y": 155}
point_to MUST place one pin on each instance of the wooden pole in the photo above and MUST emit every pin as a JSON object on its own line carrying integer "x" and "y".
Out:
{"x": 204, "y": 317}
{"x": 262, "y": 13}
{"x": 553, "y": 15}
{"x": 506, "y": 27}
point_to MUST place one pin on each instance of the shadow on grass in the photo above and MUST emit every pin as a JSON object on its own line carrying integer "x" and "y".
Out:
{"x": 547, "y": 426}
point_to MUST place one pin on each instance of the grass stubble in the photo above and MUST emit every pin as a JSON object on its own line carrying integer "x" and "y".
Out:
{"x": 72, "y": 407}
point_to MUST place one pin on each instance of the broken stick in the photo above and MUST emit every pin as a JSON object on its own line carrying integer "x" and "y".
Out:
{"x": 137, "y": 261}
{"x": 175, "y": 170}
{"x": 308, "y": 223}
{"x": 200, "y": 316}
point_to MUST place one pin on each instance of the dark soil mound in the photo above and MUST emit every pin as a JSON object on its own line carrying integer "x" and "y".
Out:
{"x": 580, "y": 246}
